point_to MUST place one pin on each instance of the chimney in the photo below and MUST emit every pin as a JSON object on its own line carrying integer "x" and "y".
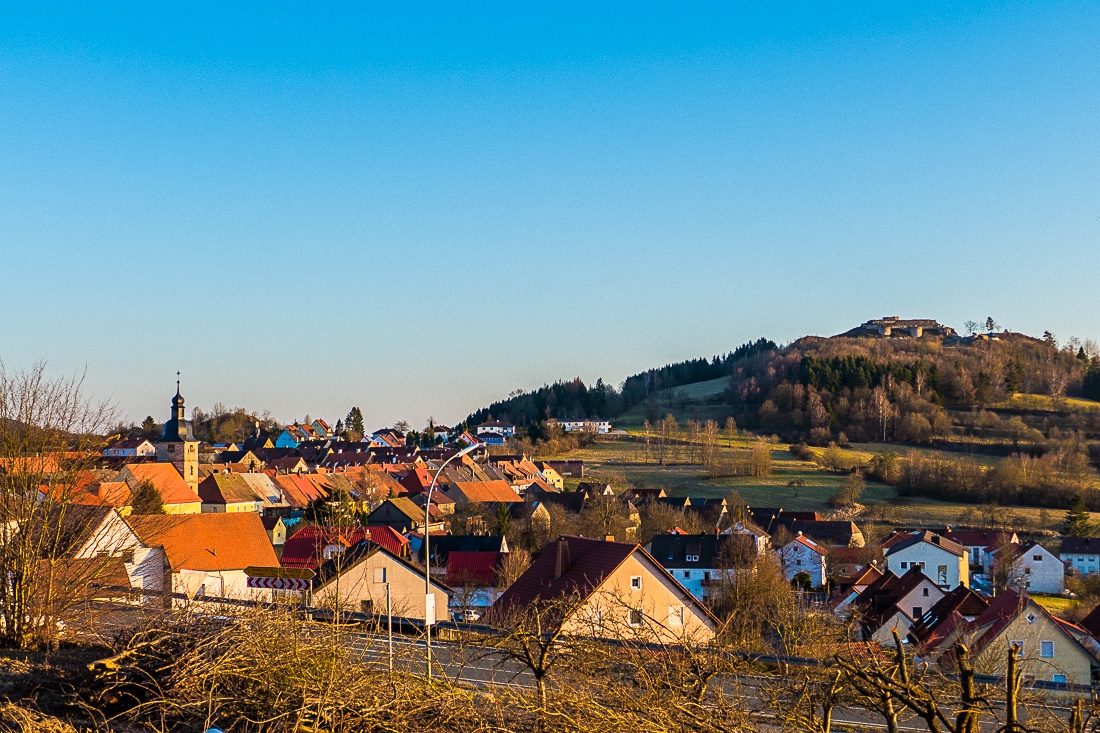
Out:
{"x": 561, "y": 558}
{"x": 609, "y": 538}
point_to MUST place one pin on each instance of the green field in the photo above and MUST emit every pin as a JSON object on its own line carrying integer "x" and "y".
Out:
{"x": 623, "y": 461}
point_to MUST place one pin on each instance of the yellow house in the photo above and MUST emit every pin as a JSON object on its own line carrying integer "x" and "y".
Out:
{"x": 356, "y": 580}
{"x": 606, "y": 589}
{"x": 550, "y": 476}
{"x": 1050, "y": 649}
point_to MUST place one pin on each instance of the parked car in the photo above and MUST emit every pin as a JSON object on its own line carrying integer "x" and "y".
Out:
{"x": 467, "y": 616}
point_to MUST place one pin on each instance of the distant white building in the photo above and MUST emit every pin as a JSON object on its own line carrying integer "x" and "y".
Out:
{"x": 1035, "y": 569}
{"x": 495, "y": 428}
{"x": 585, "y": 426}
{"x": 1082, "y": 554}
{"x": 134, "y": 448}
{"x": 804, "y": 555}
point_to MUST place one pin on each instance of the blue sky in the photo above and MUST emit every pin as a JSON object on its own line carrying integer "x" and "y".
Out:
{"x": 419, "y": 208}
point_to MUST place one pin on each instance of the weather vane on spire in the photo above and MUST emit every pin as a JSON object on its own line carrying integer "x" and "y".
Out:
{"x": 177, "y": 382}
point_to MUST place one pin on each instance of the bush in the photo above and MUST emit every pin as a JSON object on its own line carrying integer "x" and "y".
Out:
{"x": 802, "y": 452}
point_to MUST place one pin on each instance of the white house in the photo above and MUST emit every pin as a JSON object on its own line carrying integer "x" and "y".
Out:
{"x": 1082, "y": 554}
{"x": 699, "y": 560}
{"x": 944, "y": 561}
{"x": 804, "y": 555}
{"x": 108, "y": 535}
{"x": 585, "y": 426}
{"x": 495, "y": 428}
{"x": 982, "y": 545}
{"x": 138, "y": 447}
{"x": 206, "y": 554}
{"x": 1034, "y": 568}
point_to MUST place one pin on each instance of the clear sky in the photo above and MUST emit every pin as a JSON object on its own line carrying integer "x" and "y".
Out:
{"x": 419, "y": 208}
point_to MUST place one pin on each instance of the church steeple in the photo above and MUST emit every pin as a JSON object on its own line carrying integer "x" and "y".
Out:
{"x": 178, "y": 444}
{"x": 177, "y": 401}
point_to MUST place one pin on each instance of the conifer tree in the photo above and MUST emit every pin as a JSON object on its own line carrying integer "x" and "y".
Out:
{"x": 1077, "y": 523}
{"x": 354, "y": 421}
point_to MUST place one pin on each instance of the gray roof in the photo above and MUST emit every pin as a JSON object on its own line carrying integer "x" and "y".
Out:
{"x": 931, "y": 538}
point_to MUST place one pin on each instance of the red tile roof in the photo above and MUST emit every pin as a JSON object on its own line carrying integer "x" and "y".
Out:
{"x": 305, "y": 548}
{"x": 472, "y": 568}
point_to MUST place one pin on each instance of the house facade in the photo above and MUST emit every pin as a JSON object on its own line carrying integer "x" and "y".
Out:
{"x": 605, "y": 589}
{"x": 803, "y": 555}
{"x": 1081, "y": 554}
{"x": 206, "y": 554}
{"x": 944, "y": 561}
{"x": 701, "y": 561}
{"x": 1050, "y": 649}
{"x": 1034, "y": 569}
{"x": 356, "y": 579}
{"x": 495, "y": 428}
{"x": 134, "y": 448}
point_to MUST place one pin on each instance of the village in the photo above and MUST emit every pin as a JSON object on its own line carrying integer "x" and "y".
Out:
{"x": 380, "y": 529}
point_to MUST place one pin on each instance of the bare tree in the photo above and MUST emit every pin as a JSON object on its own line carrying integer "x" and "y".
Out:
{"x": 49, "y": 436}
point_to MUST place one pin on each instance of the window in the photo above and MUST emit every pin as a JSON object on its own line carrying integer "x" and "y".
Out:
{"x": 128, "y": 556}
{"x": 379, "y": 575}
{"x": 1019, "y": 646}
{"x": 635, "y": 617}
{"x": 693, "y": 558}
{"x": 635, "y": 582}
{"x": 687, "y": 574}
{"x": 1037, "y": 558}
{"x": 905, "y": 566}
{"x": 941, "y": 575}
{"x": 917, "y": 611}
{"x": 1061, "y": 678}
{"x": 924, "y": 592}
{"x": 675, "y": 615}
{"x": 1046, "y": 649}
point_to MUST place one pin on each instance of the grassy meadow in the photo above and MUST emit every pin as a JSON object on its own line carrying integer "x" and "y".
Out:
{"x": 623, "y": 461}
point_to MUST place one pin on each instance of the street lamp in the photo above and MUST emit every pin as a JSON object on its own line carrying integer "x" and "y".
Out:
{"x": 429, "y": 599}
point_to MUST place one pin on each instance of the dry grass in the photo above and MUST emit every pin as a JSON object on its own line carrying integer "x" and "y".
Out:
{"x": 613, "y": 460}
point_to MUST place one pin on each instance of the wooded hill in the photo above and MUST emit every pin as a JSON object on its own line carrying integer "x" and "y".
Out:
{"x": 931, "y": 389}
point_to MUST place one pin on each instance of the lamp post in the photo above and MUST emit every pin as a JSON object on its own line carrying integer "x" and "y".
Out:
{"x": 429, "y": 599}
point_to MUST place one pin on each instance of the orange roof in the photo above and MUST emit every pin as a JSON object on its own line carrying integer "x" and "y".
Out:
{"x": 164, "y": 476}
{"x": 108, "y": 493}
{"x": 207, "y": 542}
{"x": 479, "y": 492}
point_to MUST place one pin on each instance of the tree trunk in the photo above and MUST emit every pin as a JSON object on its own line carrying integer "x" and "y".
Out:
{"x": 967, "y": 719}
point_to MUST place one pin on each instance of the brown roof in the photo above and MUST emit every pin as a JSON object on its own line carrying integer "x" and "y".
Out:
{"x": 930, "y": 538}
{"x": 164, "y": 476}
{"x": 947, "y": 615}
{"x": 209, "y": 542}
{"x": 487, "y": 492}
{"x": 227, "y": 488}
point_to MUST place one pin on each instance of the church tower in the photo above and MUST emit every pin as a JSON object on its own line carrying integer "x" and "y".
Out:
{"x": 177, "y": 444}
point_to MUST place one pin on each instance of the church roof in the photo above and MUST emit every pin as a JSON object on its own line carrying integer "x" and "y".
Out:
{"x": 177, "y": 429}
